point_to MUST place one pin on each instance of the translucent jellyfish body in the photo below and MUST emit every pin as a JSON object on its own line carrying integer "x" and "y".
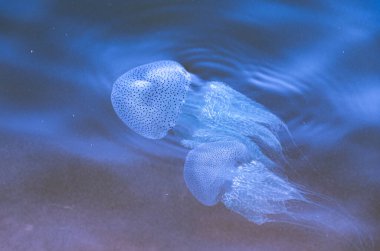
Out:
{"x": 223, "y": 172}
{"x": 217, "y": 112}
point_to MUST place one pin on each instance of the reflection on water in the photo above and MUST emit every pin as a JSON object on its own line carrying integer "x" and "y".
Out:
{"x": 73, "y": 177}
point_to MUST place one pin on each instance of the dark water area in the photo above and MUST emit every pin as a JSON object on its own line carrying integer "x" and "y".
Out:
{"x": 74, "y": 177}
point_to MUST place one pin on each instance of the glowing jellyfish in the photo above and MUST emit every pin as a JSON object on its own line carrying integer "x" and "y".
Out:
{"x": 224, "y": 172}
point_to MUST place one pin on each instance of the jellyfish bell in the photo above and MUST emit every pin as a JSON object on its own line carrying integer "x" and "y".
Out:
{"x": 209, "y": 169}
{"x": 148, "y": 98}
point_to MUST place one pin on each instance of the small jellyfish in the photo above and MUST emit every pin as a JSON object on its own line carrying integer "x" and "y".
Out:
{"x": 228, "y": 172}
{"x": 224, "y": 172}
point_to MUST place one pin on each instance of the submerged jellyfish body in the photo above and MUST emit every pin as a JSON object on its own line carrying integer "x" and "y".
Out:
{"x": 222, "y": 171}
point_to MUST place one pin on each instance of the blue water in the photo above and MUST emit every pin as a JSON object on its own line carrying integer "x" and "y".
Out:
{"x": 74, "y": 177}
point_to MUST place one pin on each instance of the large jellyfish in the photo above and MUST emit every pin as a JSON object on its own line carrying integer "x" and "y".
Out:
{"x": 152, "y": 99}
{"x": 235, "y": 142}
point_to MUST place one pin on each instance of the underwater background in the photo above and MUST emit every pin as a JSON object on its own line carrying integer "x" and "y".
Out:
{"x": 74, "y": 177}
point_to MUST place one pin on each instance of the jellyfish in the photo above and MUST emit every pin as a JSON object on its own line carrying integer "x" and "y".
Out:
{"x": 224, "y": 171}
{"x": 157, "y": 97}
{"x": 228, "y": 172}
